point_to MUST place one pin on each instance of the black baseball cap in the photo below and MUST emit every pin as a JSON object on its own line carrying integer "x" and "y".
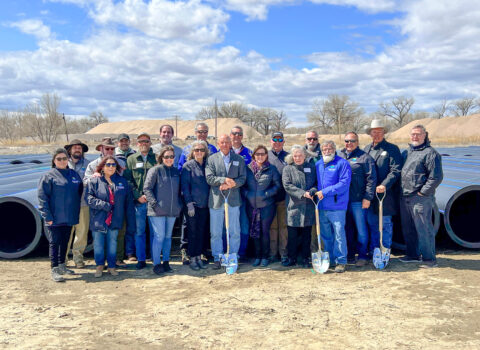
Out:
{"x": 123, "y": 136}
{"x": 277, "y": 134}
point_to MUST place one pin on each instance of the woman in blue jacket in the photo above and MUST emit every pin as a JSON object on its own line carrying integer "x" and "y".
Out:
{"x": 110, "y": 200}
{"x": 162, "y": 189}
{"x": 59, "y": 193}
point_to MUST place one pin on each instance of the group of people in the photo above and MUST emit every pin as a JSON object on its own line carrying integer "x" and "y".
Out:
{"x": 271, "y": 197}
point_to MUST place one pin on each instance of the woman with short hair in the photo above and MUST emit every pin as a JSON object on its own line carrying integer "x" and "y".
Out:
{"x": 110, "y": 200}
{"x": 59, "y": 193}
{"x": 195, "y": 192}
{"x": 261, "y": 186}
{"x": 162, "y": 189}
{"x": 299, "y": 180}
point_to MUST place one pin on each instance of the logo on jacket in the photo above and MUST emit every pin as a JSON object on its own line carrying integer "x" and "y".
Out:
{"x": 331, "y": 167}
{"x": 120, "y": 186}
{"x": 75, "y": 180}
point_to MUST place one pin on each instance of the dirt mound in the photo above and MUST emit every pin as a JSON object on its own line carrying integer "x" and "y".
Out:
{"x": 185, "y": 127}
{"x": 446, "y": 130}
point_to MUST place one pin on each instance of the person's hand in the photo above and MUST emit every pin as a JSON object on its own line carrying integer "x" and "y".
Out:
{"x": 421, "y": 195}
{"x": 381, "y": 189}
{"x": 191, "y": 209}
{"x": 142, "y": 199}
{"x": 224, "y": 187}
{"x": 95, "y": 174}
{"x": 365, "y": 204}
{"x": 49, "y": 223}
{"x": 307, "y": 195}
{"x": 230, "y": 182}
{"x": 319, "y": 194}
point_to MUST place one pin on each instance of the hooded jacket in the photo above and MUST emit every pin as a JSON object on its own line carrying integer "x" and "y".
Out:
{"x": 59, "y": 192}
{"x": 97, "y": 197}
{"x": 334, "y": 181}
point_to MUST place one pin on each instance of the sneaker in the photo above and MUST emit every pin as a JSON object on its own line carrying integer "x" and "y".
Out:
{"x": 185, "y": 257}
{"x": 409, "y": 259}
{"x": 62, "y": 270}
{"x": 361, "y": 263}
{"x": 140, "y": 265}
{"x": 121, "y": 264}
{"x": 113, "y": 272}
{"x": 340, "y": 268}
{"x": 264, "y": 262}
{"x": 428, "y": 265}
{"x": 256, "y": 262}
{"x": 131, "y": 257}
{"x": 166, "y": 267}
{"x": 99, "y": 271}
{"x": 56, "y": 275}
{"x": 158, "y": 269}
{"x": 288, "y": 262}
{"x": 283, "y": 260}
{"x": 217, "y": 265}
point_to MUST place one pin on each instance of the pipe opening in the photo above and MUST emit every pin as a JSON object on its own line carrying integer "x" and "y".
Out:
{"x": 463, "y": 215}
{"x": 21, "y": 228}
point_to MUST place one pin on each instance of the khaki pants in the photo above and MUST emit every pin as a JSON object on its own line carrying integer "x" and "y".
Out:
{"x": 81, "y": 235}
{"x": 121, "y": 241}
{"x": 278, "y": 231}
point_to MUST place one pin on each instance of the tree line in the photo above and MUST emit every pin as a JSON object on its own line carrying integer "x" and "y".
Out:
{"x": 43, "y": 122}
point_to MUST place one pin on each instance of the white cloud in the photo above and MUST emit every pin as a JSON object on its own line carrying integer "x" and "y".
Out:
{"x": 33, "y": 27}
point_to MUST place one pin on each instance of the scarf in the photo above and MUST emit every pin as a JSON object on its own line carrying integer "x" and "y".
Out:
{"x": 111, "y": 200}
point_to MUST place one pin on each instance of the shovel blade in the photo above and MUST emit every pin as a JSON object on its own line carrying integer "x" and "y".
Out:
{"x": 380, "y": 260}
{"x": 230, "y": 262}
{"x": 320, "y": 261}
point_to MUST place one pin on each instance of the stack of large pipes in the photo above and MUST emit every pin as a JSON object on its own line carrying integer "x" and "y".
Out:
{"x": 457, "y": 199}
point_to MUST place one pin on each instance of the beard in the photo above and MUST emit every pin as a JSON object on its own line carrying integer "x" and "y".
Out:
{"x": 77, "y": 155}
{"x": 311, "y": 147}
{"x": 416, "y": 143}
{"x": 328, "y": 158}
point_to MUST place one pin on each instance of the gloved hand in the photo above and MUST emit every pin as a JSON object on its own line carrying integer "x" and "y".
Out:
{"x": 191, "y": 209}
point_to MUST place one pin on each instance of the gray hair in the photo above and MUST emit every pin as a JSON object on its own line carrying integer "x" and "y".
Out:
{"x": 295, "y": 148}
{"x": 328, "y": 143}
{"x": 237, "y": 127}
{"x": 201, "y": 124}
{"x": 353, "y": 133}
{"x": 198, "y": 143}
{"x": 420, "y": 126}
{"x": 311, "y": 131}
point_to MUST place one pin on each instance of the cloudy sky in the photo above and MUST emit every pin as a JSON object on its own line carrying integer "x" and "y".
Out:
{"x": 135, "y": 59}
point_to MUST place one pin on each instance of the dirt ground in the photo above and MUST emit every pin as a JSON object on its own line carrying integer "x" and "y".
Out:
{"x": 402, "y": 307}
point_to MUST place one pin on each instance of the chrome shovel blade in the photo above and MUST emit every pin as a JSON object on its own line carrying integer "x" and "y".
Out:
{"x": 320, "y": 261}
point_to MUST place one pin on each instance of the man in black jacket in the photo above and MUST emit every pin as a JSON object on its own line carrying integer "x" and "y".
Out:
{"x": 362, "y": 192}
{"x": 421, "y": 174}
{"x": 388, "y": 161}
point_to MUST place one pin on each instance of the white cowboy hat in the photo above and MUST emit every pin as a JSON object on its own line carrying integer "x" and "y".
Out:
{"x": 376, "y": 123}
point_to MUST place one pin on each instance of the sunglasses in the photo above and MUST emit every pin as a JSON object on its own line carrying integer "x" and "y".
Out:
{"x": 143, "y": 141}
{"x": 260, "y": 154}
{"x": 110, "y": 165}
{"x": 202, "y": 131}
{"x": 277, "y": 140}
{"x": 109, "y": 148}
{"x": 61, "y": 159}
{"x": 312, "y": 138}
{"x": 199, "y": 150}
{"x": 350, "y": 141}
{"x": 237, "y": 133}
{"x": 168, "y": 157}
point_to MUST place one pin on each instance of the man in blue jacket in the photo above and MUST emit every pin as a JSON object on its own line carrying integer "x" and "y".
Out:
{"x": 333, "y": 176}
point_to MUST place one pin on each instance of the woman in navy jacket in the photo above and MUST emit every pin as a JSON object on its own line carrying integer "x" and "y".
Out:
{"x": 59, "y": 193}
{"x": 110, "y": 200}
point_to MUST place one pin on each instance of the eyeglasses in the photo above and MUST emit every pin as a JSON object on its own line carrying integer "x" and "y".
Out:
{"x": 202, "y": 131}
{"x": 61, "y": 159}
{"x": 312, "y": 138}
{"x": 277, "y": 140}
{"x": 260, "y": 154}
{"x": 109, "y": 148}
{"x": 350, "y": 141}
{"x": 143, "y": 141}
{"x": 199, "y": 150}
{"x": 111, "y": 165}
{"x": 237, "y": 133}
{"x": 168, "y": 157}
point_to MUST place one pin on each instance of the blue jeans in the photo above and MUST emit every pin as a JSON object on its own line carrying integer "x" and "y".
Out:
{"x": 217, "y": 220}
{"x": 105, "y": 241}
{"x": 372, "y": 220}
{"x": 244, "y": 226}
{"x": 332, "y": 230}
{"x": 161, "y": 229}
{"x": 140, "y": 235}
{"x": 359, "y": 216}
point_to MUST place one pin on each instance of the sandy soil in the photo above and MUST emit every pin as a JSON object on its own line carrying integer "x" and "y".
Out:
{"x": 273, "y": 308}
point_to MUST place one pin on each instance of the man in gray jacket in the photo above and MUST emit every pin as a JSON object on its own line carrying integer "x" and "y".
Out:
{"x": 76, "y": 150}
{"x": 421, "y": 174}
{"x": 225, "y": 173}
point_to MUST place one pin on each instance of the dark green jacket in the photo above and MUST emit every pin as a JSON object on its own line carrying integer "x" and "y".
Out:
{"x": 136, "y": 171}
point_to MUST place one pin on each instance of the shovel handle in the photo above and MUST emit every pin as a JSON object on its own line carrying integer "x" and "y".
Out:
{"x": 380, "y": 218}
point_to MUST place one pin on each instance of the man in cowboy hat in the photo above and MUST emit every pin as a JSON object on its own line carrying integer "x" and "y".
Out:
{"x": 106, "y": 148}
{"x": 388, "y": 162}
{"x": 76, "y": 150}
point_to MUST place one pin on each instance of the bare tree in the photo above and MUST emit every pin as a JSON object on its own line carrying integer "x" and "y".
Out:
{"x": 319, "y": 118}
{"x": 233, "y": 110}
{"x": 97, "y": 118}
{"x": 206, "y": 113}
{"x": 10, "y": 126}
{"x": 442, "y": 109}
{"x": 42, "y": 120}
{"x": 398, "y": 109}
{"x": 280, "y": 121}
{"x": 463, "y": 107}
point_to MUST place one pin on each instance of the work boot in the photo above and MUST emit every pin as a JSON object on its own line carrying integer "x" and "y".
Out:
{"x": 56, "y": 275}
{"x": 185, "y": 258}
{"x": 99, "y": 271}
{"x": 200, "y": 263}
{"x": 340, "y": 268}
{"x": 194, "y": 263}
{"x": 166, "y": 267}
{"x": 62, "y": 270}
